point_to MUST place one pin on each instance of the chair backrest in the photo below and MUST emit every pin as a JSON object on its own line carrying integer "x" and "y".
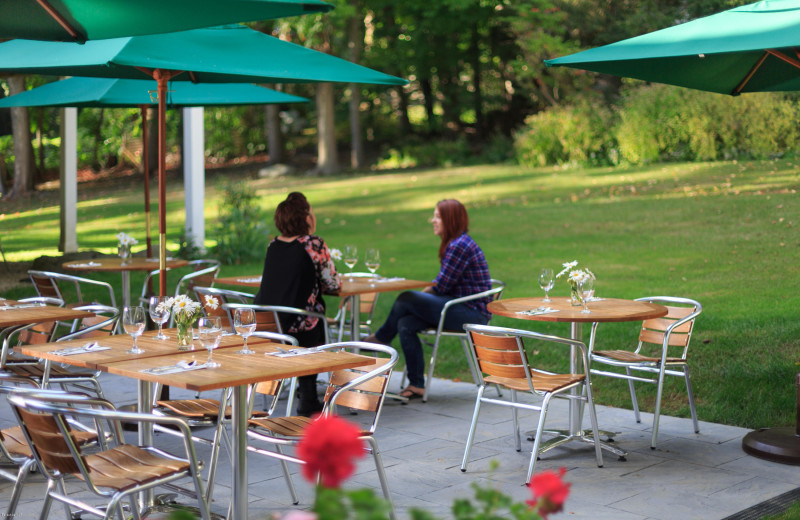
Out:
{"x": 674, "y": 329}
{"x": 273, "y": 388}
{"x": 49, "y": 284}
{"x": 501, "y": 354}
{"x": 361, "y": 388}
{"x": 268, "y": 316}
{"x": 45, "y": 284}
{"x": 223, "y": 296}
{"x": 204, "y": 273}
{"x": 105, "y": 322}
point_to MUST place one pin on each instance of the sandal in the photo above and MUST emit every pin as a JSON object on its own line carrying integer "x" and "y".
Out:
{"x": 409, "y": 394}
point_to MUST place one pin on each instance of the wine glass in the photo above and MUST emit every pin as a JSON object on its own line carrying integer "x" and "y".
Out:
{"x": 586, "y": 289}
{"x": 372, "y": 260}
{"x": 350, "y": 256}
{"x": 546, "y": 282}
{"x": 159, "y": 315}
{"x": 209, "y": 330}
{"x": 133, "y": 321}
{"x": 244, "y": 322}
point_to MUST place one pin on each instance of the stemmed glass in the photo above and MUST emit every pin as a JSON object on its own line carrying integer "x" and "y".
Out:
{"x": 586, "y": 288}
{"x": 133, "y": 321}
{"x": 244, "y": 322}
{"x": 350, "y": 256}
{"x": 159, "y": 315}
{"x": 546, "y": 282}
{"x": 372, "y": 260}
{"x": 209, "y": 330}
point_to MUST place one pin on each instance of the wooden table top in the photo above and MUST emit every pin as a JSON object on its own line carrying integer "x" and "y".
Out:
{"x": 120, "y": 343}
{"x": 115, "y": 264}
{"x": 12, "y": 317}
{"x": 237, "y": 369}
{"x": 350, "y": 285}
{"x": 602, "y": 311}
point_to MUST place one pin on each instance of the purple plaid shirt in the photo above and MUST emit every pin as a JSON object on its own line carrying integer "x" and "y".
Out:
{"x": 464, "y": 271}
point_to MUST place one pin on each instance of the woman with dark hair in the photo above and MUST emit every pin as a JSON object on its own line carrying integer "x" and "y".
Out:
{"x": 463, "y": 272}
{"x": 298, "y": 270}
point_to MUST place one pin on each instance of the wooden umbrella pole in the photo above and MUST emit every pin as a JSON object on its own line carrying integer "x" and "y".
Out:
{"x": 146, "y": 171}
{"x": 162, "y": 77}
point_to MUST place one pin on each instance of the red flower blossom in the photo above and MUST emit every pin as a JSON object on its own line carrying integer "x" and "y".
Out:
{"x": 549, "y": 492}
{"x": 328, "y": 447}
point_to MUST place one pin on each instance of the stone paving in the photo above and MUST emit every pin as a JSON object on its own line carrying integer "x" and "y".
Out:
{"x": 689, "y": 476}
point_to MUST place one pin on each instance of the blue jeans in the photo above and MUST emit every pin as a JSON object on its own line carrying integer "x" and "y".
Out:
{"x": 414, "y": 311}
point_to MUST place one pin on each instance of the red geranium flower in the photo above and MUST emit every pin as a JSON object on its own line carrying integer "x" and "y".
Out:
{"x": 549, "y": 492}
{"x": 328, "y": 447}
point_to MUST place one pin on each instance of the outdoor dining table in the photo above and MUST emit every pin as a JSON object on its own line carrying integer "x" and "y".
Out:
{"x": 236, "y": 370}
{"x": 13, "y": 313}
{"x": 352, "y": 286}
{"x": 603, "y": 310}
{"x": 123, "y": 266}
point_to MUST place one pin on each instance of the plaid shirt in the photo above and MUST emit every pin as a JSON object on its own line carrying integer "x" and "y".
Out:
{"x": 464, "y": 272}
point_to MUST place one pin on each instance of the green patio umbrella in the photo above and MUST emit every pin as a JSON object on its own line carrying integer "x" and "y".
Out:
{"x": 229, "y": 54}
{"x": 81, "y": 20}
{"x": 752, "y": 48}
{"x": 105, "y": 92}
{"x": 746, "y": 49}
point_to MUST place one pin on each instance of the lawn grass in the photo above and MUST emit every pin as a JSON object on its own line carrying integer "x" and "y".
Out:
{"x": 723, "y": 233}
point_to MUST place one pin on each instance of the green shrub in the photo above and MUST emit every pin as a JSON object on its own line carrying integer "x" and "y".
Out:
{"x": 576, "y": 134}
{"x": 445, "y": 152}
{"x": 240, "y": 230}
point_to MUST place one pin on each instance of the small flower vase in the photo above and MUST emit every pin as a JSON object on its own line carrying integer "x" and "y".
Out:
{"x": 185, "y": 336}
{"x": 575, "y": 296}
{"x": 124, "y": 252}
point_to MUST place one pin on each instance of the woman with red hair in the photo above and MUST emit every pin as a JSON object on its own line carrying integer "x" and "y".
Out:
{"x": 463, "y": 272}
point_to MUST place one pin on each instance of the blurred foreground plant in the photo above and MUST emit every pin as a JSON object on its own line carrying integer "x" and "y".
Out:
{"x": 329, "y": 448}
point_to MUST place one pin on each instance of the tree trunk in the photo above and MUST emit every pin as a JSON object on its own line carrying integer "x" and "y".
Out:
{"x": 327, "y": 160}
{"x": 23, "y": 149}
{"x": 427, "y": 93}
{"x": 274, "y": 137}
{"x": 355, "y": 36}
{"x": 477, "y": 99}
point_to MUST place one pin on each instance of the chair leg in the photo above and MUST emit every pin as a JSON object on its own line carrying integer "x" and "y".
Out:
{"x": 515, "y": 421}
{"x": 598, "y": 453}
{"x": 287, "y": 476}
{"x": 470, "y": 360}
{"x": 690, "y": 393}
{"x": 429, "y": 381}
{"x": 657, "y": 411}
{"x": 376, "y": 455}
{"x": 290, "y": 399}
{"x": 472, "y": 426}
{"x": 16, "y": 491}
{"x": 634, "y": 401}
{"x": 537, "y": 441}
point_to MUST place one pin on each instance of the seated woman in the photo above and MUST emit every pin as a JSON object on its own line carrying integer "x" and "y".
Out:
{"x": 463, "y": 272}
{"x": 298, "y": 270}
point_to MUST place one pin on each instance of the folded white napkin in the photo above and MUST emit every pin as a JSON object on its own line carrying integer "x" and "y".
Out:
{"x": 21, "y": 306}
{"x": 255, "y": 279}
{"x": 85, "y": 349}
{"x": 537, "y": 311}
{"x": 293, "y": 352}
{"x": 395, "y": 279}
{"x": 180, "y": 366}
{"x": 85, "y": 264}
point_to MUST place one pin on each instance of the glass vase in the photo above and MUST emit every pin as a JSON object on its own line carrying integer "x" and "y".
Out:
{"x": 124, "y": 252}
{"x": 184, "y": 336}
{"x": 575, "y": 296}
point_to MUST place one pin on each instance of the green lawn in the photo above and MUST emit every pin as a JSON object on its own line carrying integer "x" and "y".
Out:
{"x": 722, "y": 233}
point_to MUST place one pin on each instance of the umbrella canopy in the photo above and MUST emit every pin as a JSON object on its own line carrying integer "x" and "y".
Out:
{"x": 218, "y": 55}
{"x": 746, "y": 49}
{"x": 106, "y": 92}
{"x": 81, "y": 20}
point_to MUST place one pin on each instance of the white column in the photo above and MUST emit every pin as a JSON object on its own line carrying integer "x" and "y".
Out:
{"x": 194, "y": 173}
{"x": 68, "y": 242}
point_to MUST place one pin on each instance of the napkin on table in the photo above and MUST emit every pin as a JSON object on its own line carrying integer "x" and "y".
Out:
{"x": 537, "y": 311}
{"x": 85, "y": 349}
{"x": 180, "y": 366}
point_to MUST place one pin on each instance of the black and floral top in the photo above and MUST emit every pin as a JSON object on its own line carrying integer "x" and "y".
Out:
{"x": 297, "y": 274}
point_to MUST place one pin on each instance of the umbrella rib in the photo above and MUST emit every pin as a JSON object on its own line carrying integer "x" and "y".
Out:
{"x": 781, "y": 56}
{"x": 58, "y": 17}
{"x": 743, "y": 83}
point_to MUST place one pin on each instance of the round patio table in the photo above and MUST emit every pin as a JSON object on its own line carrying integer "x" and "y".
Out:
{"x": 602, "y": 310}
{"x": 117, "y": 264}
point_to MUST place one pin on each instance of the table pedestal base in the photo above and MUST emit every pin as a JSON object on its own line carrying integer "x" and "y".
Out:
{"x": 564, "y": 436}
{"x": 773, "y": 444}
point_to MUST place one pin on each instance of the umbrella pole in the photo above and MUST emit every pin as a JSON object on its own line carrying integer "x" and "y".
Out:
{"x": 146, "y": 170}
{"x": 162, "y": 77}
